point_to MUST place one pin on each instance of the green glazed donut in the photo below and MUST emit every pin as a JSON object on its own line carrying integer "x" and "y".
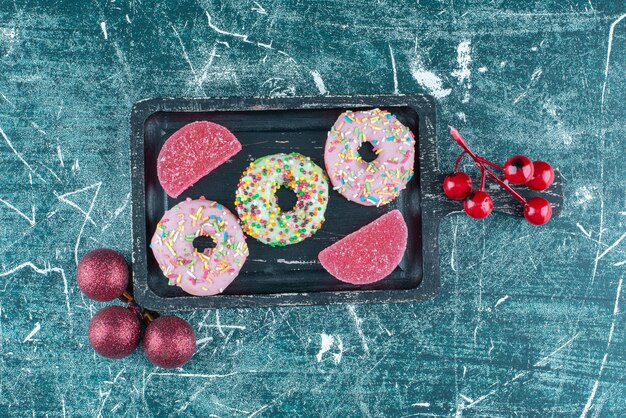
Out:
{"x": 257, "y": 205}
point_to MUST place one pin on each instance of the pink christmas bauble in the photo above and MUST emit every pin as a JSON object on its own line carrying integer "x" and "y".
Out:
{"x": 102, "y": 274}
{"x": 169, "y": 342}
{"x": 114, "y": 332}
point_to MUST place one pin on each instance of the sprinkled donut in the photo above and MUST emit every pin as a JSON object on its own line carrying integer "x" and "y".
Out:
{"x": 199, "y": 273}
{"x": 257, "y": 206}
{"x": 377, "y": 182}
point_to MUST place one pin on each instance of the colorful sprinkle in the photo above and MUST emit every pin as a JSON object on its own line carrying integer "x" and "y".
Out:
{"x": 257, "y": 206}
{"x": 377, "y": 182}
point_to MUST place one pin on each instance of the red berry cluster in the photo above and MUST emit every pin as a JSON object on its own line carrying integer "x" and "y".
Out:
{"x": 115, "y": 331}
{"x": 518, "y": 169}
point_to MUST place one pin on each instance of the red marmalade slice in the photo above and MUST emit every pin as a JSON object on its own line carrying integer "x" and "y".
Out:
{"x": 369, "y": 254}
{"x": 191, "y": 153}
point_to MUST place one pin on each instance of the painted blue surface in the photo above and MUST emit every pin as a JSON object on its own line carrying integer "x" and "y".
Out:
{"x": 530, "y": 321}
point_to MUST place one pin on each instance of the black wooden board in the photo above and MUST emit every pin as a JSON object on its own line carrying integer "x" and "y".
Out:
{"x": 291, "y": 275}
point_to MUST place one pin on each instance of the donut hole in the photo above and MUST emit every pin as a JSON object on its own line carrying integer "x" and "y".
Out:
{"x": 286, "y": 199}
{"x": 203, "y": 242}
{"x": 366, "y": 151}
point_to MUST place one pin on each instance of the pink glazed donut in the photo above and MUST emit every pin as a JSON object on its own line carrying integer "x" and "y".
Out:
{"x": 377, "y": 182}
{"x": 199, "y": 273}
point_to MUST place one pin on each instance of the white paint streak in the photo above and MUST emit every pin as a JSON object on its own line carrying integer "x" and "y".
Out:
{"x": 86, "y": 213}
{"x": 45, "y": 271}
{"x": 258, "y": 411}
{"x": 63, "y": 198}
{"x": 427, "y": 79}
{"x": 612, "y": 246}
{"x": 319, "y": 83}
{"x": 204, "y": 340}
{"x": 105, "y": 396}
{"x": 337, "y": 356}
{"x": 283, "y": 261}
{"x": 453, "y": 251}
{"x": 477, "y": 401}
{"x": 536, "y": 74}
{"x": 193, "y": 375}
{"x": 463, "y": 72}
{"x": 205, "y": 70}
{"x": 584, "y": 196}
{"x": 244, "y": 38}
{"x": 592, "y": 395}
{"x": 36, "y": 126}
{"x": 184, "y": 50}
{"x": 218, "y": 323}
{"x": 395, "y": 71}
{"x": 259, "y": 9}
{"x": 357, "y": 322}
{"x": 608, "y": 57}
{"x": 103, "y": 26}
{"x": 583, "y": 230}
{"x": 422, "y": 404}
{"x": 544, "y": 360}
{"x": 7, "y": 100}
{"x": 617, "y": 295}
{"x": 502, "y": 300}
{"x": 430, "y": 81}
{"x": 326, "y": 344}
{"x": 220, "y": 326}
{"x": 30, "y": 220}
{"x": 594, "y": 389}
{"x": 533, "y": 80}
{"x": 60, "y": 155}
{"x": 35, "y": 330}
{"x": 476, "y": 334}
{"x": 120, "y": 209}
{"x": 19, "y": 156}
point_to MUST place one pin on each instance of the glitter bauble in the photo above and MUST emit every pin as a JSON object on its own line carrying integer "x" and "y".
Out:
{"x": 102, "y": 275}
{"x": 169, "y": 342}
{"x": 114, "y": 332}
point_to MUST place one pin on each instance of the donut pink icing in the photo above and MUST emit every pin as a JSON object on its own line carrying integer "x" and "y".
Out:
{"x": 377, "y": 182}
{"x": 199, "y": 273}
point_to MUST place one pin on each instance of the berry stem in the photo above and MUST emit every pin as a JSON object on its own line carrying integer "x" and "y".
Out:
{"x": 458, "y": 161}
{"x": 461, "y": 141}
{"x": 126, "y": 297}
{"x": 506, "y": 187}
{"x": 466, "y": 149}
{"x": 483, "y": 177}
{"x": 486, "y": 161}
{"x": 482, "y": 163}
{"x": 148, "y": 316}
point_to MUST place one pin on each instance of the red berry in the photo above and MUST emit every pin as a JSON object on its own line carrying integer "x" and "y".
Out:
{"x": 478, "y": 205}
{"x": 538, "y": 210}
{"x": 518, "y": 169}
{"x": 169, "y": 342}
{"x": 543, "y": 176}
{"x": 114, "y": 332}
{"x": 457, "y": 186}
